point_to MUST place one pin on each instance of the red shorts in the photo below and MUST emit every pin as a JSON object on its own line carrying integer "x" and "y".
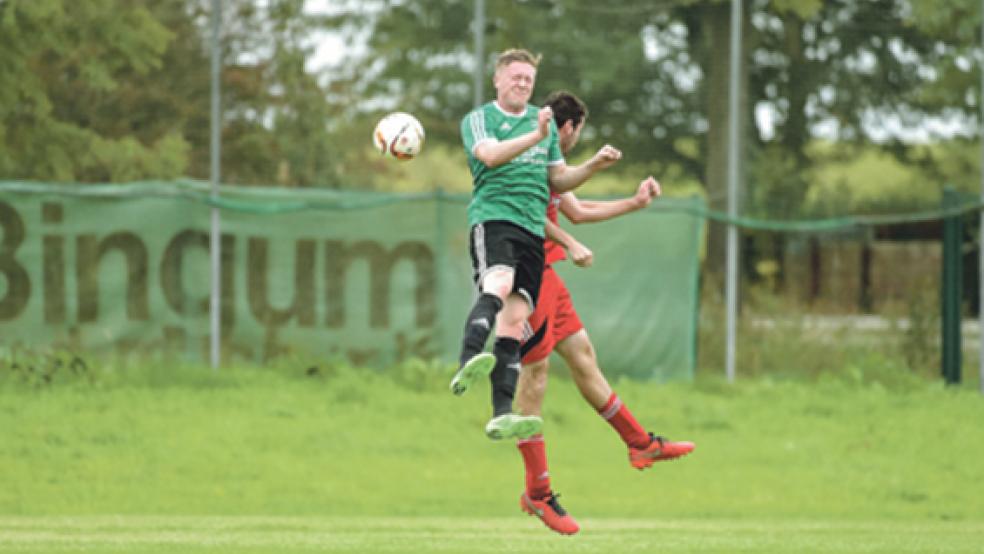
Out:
{"x": 553, "y": 320}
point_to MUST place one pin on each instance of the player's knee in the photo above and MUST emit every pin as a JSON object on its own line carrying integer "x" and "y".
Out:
{"x": 498, "y": 281}
{"x": 513, "y": 330}
{"x": 538, "y": 369}
{"x": 579, "y": 354}
{"x": 511, "y": 320}
{"x": 538, "y": 388}
{"x": 586, "y": 351}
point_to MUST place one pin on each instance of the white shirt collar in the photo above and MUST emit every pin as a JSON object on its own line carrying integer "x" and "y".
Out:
{"x": 511, "y": 114}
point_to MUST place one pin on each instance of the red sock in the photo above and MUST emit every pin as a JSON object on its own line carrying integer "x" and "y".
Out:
{"x": 620, "y": 418}
{"x": 535, "y": 459}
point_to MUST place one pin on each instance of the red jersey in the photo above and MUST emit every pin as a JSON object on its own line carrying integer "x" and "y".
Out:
{"x": 553, "y": 252}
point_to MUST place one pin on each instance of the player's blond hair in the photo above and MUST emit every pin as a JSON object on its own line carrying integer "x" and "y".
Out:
{"x": 516, "y": 55}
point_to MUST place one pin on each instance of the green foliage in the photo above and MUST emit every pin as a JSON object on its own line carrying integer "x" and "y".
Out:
{"x": 600, "y": 57}
{"x": 59, "y": 63}
{"x": 440, "y": 166}
{"x": 780, "y": 338}
{"x": 921, "y": 338}
{"x": 777, "y": 184}
{"x": 804, "y": 9}
{"x": 276, "y": 130}
{"x": 42, "y": 368}
{"x": 959, "y": 19}
{"x": 872, "y": 181}
{"x": 654, "y": 78}
{"x": 840, "y": 179}
{"x": 127, "y": 159}
{"x": 114, "y": 90}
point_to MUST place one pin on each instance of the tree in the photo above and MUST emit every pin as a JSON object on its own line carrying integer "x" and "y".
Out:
{"x": 276, "y": 114}
{"x": 58, "y": 59}
{"x": 119, "y": 90}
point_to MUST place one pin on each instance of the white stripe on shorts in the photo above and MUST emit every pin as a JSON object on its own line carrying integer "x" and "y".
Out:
{"x": 478, "y": 237}
{"x": 528, "y": 332}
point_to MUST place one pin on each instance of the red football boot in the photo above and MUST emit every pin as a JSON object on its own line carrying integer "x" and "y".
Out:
{"x": 658, "y": 449}
{"x": 550, "y": 513}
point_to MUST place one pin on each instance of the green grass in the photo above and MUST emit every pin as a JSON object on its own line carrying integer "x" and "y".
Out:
{"x": 185, "y": 460}
{"x": 427, "y": 534}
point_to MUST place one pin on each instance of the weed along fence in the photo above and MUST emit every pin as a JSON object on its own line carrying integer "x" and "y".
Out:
{"x": 920, "y": 266}
{"x": 368, "y": 278}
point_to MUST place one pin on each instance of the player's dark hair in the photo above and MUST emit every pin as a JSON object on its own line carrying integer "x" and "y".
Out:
{"x": 566, "y": 107}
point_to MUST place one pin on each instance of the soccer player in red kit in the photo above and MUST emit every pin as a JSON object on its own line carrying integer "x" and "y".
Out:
{"x": 555, "y": 325}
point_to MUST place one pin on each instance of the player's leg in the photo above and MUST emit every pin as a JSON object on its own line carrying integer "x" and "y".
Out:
{"x": 509, "y": 331}
{"x": 474, "y": 362}
{"x": 510, "y": 323}
{"x": 532, "y": 387}
{"x": 579, "y": 353}
{"x": 529, "y": 401}
{"x": 492, "y": 262}
{"x": 644, "y": 448}
{"x": 538, "y": 499}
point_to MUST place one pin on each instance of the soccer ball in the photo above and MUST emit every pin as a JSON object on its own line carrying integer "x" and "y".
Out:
{"x": 400, "y": 135}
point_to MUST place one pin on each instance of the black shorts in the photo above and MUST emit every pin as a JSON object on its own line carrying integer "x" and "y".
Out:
{"x": 502, "y": 244}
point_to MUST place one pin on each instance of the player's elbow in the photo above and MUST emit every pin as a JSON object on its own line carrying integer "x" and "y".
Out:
{"x": 485, "y": 155}
{"x": 560, "y": 185}
{"x": 489, "y": 161}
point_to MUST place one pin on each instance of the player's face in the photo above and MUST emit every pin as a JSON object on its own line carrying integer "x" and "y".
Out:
{"x": 514, "y": 85}
{"x": 569, "y": 135}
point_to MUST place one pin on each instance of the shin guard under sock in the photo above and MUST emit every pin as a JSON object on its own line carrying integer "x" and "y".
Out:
{"x": 479, "y": 325}
{"x": 505, "y": 374}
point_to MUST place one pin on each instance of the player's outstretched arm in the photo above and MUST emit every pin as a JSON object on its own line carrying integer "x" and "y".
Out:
{"x": 564, "y": 178}
{"x": 581, "y": 255}
{"x": 494, "y": 154}
{"x": 589, "y": 211}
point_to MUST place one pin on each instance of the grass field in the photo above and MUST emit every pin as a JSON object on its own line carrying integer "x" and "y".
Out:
{"x": 425, "y": 534}
{"x": 185, "y": 460}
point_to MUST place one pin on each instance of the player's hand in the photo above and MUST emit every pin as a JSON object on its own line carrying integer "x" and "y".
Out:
{"x": 543, "y": 121}
{"x": 606, "y": 156}
{"x": 648, "y": 189}
{"x": 581, "y": 255}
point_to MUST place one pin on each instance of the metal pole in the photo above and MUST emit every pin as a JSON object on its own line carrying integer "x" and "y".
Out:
{"x": 731, "y": 288}
{"x": 980, "y": 251}
{"x": 215, "y": 250}
{"x": 479, "y": 76}
{"x": 952, "y": 289}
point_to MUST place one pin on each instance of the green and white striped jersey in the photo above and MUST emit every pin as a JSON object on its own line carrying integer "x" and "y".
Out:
{"x": 516, "y": 191}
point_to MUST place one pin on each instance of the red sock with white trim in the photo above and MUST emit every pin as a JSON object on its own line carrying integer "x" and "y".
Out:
{"x": 621, "y": 419}
{"x": 534, "y": 453}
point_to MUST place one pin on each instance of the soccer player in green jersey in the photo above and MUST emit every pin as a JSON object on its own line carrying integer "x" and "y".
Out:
{"x": 515, "y": 160}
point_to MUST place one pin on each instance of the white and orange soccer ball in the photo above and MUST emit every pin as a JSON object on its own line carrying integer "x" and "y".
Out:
{"x": 399, "y": 135}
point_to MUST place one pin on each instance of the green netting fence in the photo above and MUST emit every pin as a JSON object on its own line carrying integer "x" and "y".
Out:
{"x": 371, "y": 278}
